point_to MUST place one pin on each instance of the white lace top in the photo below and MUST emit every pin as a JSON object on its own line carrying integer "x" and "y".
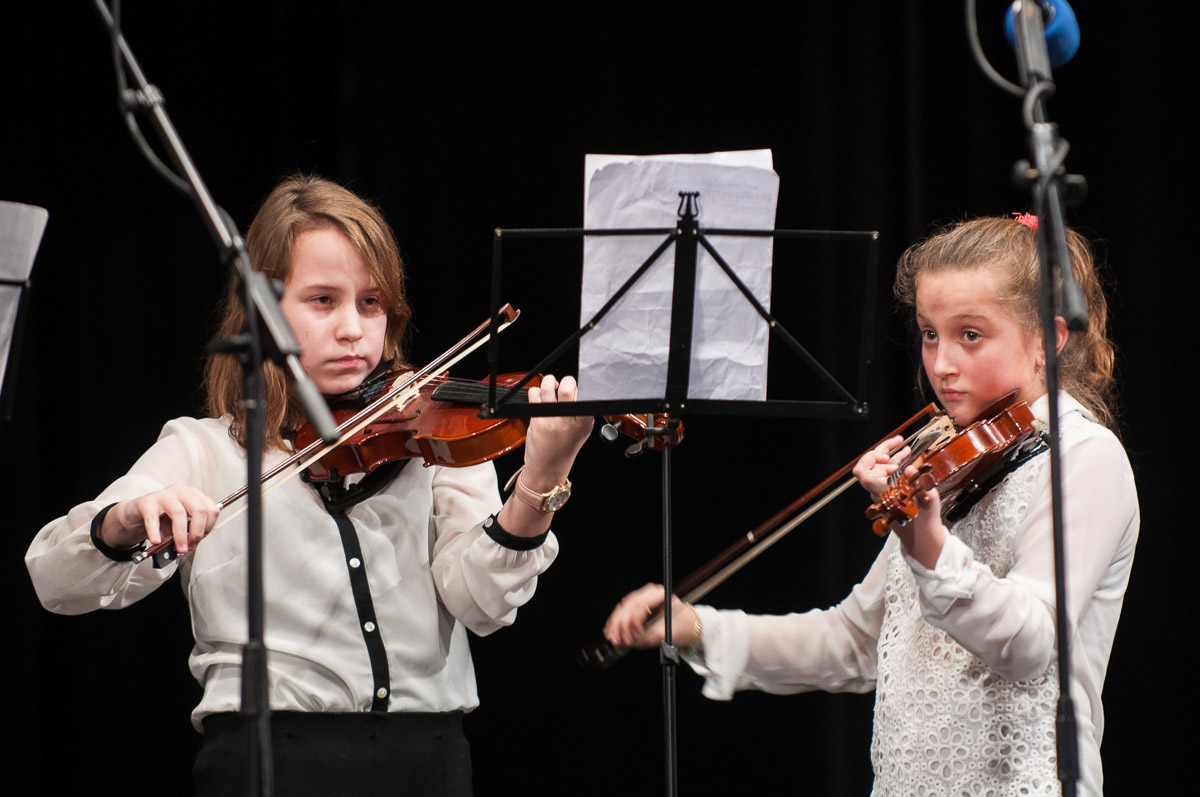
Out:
{"x": 942, "y": 716}
{"x": 962, "y": 657}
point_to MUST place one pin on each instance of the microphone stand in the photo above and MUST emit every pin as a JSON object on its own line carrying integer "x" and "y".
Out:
{"x": 1051, "y": 189}
{"x": 262, "y": 312}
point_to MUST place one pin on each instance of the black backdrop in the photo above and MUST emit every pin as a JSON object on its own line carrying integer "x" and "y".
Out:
{"x": 459, "y": 120}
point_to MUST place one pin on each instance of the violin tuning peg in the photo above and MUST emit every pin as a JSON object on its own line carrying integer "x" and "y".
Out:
{"x": 636, "y": 449}
{"x": 610, "y": 432}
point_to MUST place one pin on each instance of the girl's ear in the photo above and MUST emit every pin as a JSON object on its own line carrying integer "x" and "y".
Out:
{"x": 1060, "y": 334}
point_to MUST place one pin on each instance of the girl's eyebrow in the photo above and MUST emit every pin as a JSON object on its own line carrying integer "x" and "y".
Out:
{"x": 961, "y": 317}
{"x": 315, "y": 286}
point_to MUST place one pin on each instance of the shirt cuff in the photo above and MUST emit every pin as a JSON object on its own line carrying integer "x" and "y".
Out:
{"x": 116, "y": 554}
{"x": 725, "y": 650}
{"x": 953, "y": 576}
{"x": 493, "y": 529}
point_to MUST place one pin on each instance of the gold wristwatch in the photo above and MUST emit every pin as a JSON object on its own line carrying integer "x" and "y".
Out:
{"x": 551, "y": 501}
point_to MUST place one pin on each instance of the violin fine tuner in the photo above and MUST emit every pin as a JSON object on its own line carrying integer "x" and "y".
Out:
{"x": 951, "y": 465}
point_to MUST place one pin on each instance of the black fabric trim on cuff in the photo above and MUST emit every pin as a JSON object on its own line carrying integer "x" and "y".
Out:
{"x": 511, "y": 541}
{"x": 115, "y": 554}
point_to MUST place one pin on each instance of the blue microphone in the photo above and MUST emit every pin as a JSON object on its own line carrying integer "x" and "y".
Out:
{"x": 1062, "y": 30}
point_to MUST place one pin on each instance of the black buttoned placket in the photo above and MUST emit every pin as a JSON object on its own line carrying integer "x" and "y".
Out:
{"x": 337, "y": 501}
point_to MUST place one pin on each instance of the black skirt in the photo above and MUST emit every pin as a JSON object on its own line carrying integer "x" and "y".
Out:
{"x": 358, "y": 755}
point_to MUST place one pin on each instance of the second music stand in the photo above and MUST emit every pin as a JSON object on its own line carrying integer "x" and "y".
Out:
{"x": 688, "y": 237}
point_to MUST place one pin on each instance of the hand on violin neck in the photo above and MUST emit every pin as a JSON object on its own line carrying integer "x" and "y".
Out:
{"x": 550, "y": 448}
{"x": 875, "y": 466}
{"x": 925, "y": 535}
{"x": 553, "y": 441}
{"x": 178, "y": 512}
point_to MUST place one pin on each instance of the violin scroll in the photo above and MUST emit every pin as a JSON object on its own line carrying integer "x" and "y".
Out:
{"x": 649, "y": 431}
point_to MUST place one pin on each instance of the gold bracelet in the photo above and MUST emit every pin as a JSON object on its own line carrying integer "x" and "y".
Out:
{"x": 699, "y": 629}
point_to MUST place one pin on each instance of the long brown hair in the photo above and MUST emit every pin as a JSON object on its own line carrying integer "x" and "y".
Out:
{"x": 1086, "y": 361}
{"x": 299, "y": 204}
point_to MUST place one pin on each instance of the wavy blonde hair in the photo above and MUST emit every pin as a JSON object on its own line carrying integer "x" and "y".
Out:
{"x": 299, "y": 204}
{"x": 1087, "y": 360}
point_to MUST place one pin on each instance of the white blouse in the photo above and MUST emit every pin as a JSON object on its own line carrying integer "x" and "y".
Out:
{"x": 432, "y": 570}
{"x": 963, "y": 657}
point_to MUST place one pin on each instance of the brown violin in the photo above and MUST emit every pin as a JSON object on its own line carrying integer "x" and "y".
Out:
{"x": 439, "y": 425}
{"x": 954, "y": 464}
{"x": 437, "y": 422}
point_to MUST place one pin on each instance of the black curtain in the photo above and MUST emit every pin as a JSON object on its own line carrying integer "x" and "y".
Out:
{"x": 459, "y": 120}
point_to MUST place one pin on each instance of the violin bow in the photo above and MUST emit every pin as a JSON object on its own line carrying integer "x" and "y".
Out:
{"x": 755, "y": 542}
{"x": 399, "y": 394}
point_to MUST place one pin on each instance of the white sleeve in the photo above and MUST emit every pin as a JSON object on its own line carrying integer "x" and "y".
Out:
{"x": 479, "y": 580}
{"x": 832, "y": 649}
{"x": 69, "y": 574}
{"x": 1009, "y": 622}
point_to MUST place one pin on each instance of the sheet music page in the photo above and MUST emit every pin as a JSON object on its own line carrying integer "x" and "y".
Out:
{"x": 625, "y": 356}
{"x": 21, "y": 228}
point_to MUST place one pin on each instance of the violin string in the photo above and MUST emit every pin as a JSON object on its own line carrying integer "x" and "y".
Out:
{"x": 438, "y": 381}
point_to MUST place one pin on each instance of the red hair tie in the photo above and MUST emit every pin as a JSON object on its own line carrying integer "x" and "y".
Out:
{"x": 1028, "y": 219}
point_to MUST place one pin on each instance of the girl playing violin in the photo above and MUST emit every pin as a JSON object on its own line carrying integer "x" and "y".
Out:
{"x": 954, "y": 628}
{"x": 368, "y": 598}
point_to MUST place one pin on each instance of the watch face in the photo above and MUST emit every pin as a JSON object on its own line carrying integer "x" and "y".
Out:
{"x": 556, "y": 501}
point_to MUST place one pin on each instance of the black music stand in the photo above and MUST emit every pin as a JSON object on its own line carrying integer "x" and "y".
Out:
{"x": 688, "y": 237}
